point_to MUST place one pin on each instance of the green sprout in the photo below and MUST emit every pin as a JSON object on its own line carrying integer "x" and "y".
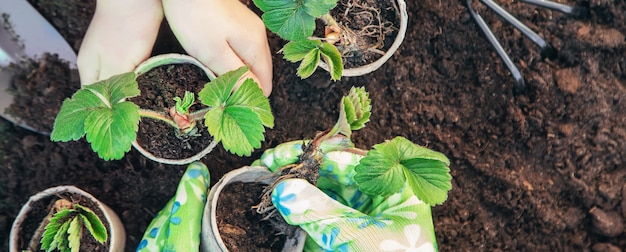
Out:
{"x": 294, "y": 21}
{"x": 182, "y": 106}
{"x": 101, "y": 113}
{"x": 66, "y": 225}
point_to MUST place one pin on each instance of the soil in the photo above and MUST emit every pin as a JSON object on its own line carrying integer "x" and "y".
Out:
{"x": 40, "y": 209}
{"x": 240, "y": 226}
{"x": 158, "y": 88}
{"x": 39, "y": 89}
{"x": 539, "y": 170}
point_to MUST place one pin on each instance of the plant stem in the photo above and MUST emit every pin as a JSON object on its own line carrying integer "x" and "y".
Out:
{"x": 329, "y": 20}
{"x": 157, "y": 116}
{"x": 198, "y": 115}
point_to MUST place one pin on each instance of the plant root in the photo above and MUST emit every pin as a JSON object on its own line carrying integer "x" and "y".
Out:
{"x": 370, "y": 37}
{"x": 307, "y": 168}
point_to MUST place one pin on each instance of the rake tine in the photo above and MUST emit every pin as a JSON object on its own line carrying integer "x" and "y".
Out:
{"x": 575, "y": 11}
{"x": 517, "y": 76}
{"x": 547, "y": 50}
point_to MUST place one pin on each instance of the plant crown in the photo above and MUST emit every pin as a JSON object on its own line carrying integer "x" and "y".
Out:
{"x": 64, "y": 230}
{"x": 295, "y": 21}
{"x": 102, "y": 113}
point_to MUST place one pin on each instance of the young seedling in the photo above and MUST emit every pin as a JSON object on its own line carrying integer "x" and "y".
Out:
{"x": 383, "y": 171}
{"x": 65, "y": 224}
{"x": 102, "y": 114}
{"x": 294, "y": 21}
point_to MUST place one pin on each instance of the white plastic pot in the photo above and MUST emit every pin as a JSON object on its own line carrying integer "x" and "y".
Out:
{"x": 365, "y": 69}
{"x": 211, "y": 240}
{"x": 117, "y": 234}
{"x": 168, "y": 59}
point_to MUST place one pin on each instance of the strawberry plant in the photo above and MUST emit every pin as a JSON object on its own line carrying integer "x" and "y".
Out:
{"x": 66, "y": 224}
{"x": 295, "y": 21}
{"x": 102, "y": 114}
{"x": 383, "y": 170}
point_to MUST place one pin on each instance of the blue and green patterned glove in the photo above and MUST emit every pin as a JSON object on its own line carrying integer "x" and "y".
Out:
{"x": 177, "y": 226}
{"x": 339, "y": 217}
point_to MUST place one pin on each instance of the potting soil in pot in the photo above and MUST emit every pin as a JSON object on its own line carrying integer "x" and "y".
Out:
{"x": 240, "y": 226}
{"x": 41, "y": 208}
{"x": 158, "y": 88}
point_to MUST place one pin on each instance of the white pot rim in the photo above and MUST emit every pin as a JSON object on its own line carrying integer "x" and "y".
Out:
{"x": 117, "y": 236}
{"x": 365, "y": 69}
{"x": 211, "y": 241}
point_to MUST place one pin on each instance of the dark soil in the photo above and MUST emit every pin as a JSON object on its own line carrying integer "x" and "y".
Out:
{"x": 528, "y": 168}
{"x": 39, "y": 88}
{"x": 40, "y": 209}
{"x": 158, "y": 88}
{"x": 240, "y": 226}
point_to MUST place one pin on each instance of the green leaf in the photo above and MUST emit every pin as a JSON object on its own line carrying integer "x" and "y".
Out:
{"x": 379, "y": 172}
{"x": 249, "y": 95}
{"x": 98, "y": 105}
{"x": 332, "y": 57}
{"x": 70, "y": 122}
{"x": 389, "y": 165}
{"x": 288, "y": 18}
{"x": 354, "y": 112}
{"x": 216, "y": 92}
{"x": 48, "y": 242}
{"x": 309, "y": 64}
{"x": 429, "y": 179}
{"x": 239, "y": 129}
{"x": 236, "y": 118}
{"x": 111, "y": 131}
{"x": 357, "y": 106}
{"x": 61, "y": 238}
{"x": 93, "y": 224}
{"x": 74, "y": 234}
{"x": 317, "y": 8}
{"x": 295, "y": 51}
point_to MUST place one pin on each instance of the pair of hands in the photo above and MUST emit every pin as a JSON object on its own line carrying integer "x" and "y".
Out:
{"x": 222, "y": 34}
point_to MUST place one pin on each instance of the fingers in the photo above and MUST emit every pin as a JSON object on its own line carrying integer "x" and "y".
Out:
{"x": 301, "y": 202}
{"x": 281, "y": 155}
{"x": 253, "y": 49}
{"x": 120, "y": 36}
{"x": 236, "y": 36}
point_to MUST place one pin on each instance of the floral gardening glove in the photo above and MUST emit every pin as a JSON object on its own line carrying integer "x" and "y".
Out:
{"x": 339, "y": 217}
{"x": 177, "y": 226}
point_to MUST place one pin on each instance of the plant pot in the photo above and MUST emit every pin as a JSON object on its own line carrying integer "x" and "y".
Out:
{"x": 145, "y": 147}
{"x": 211, "y": 240}
{"x": 116, "y": 233}
{"x": 400, "y": 10}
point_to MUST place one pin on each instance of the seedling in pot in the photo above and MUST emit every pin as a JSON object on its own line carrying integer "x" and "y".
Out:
{"x": 383, "y": 171}
{"x": 102, "y": 114}
{"x": 294, "y": 21}
{"x": 63, "y": 227}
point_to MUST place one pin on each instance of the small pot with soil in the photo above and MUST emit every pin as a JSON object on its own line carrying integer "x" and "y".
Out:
{"x": 231, "y": 224}
{"x": 66, "y": 217}
{"x": 161, "y": 79}
{"x": 353, "y": 37}
{"x": 155, "y": 110}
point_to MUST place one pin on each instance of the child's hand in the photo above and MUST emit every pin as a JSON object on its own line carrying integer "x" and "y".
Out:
{"x": 222, "y": 34}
